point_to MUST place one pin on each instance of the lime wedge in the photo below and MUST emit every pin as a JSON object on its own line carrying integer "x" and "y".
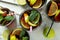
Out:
{"x": 37, "y": 4}
{"x": 32, "y": 2}
{"x": 57, "y": 13}
{"x": 13, "y": 37}
{"x": 1, "y": 12}
{"x": 16, "y": 31}
{"x": 5, "y": 34}
{"x": 25, "y": 26}
{"x": 26, "y": 17}
{"x": 21, "y": 2}
{"x": 31, "y": 24}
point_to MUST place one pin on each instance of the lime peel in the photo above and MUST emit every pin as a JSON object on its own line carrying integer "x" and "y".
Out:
{"x": 31, "y": 24}
{"x": 24, "y": 25}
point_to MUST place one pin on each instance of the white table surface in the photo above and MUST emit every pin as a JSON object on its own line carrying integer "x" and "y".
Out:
{"x": 36, "y": 34}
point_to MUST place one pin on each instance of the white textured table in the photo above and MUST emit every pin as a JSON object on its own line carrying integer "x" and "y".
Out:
{"x": 36, "y": 34}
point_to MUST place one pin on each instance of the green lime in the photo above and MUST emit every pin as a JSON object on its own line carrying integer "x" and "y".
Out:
{"x": 13, "y": 37}
{"x": 51, "y": 33}
{"x": 5, "y": 34}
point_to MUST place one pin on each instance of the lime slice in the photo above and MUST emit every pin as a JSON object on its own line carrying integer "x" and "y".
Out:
{"x": 57, "y": 13}
{"x": 57, "y": 16}
{"x": 1, "y": 12}
{"x": 21, "y": 2}
{"x": 51, "y": 33}
{"x": 13, "y": 37}
{"x": 32, "y": 2}
{"x": 31, "y": 24}
{"x": 6, "y": 34}
{"x": 25, "y": 25}
{"x": 16, "y": 31}
{"x": 37, "y": 4}
{"x": 26, "y": 17}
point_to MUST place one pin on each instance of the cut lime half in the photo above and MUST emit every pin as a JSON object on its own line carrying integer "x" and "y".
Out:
{"x": 21, "y": 2}
{"x": 51, "y": 33}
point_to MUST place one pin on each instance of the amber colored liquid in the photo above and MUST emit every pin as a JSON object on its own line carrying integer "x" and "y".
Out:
{"x": 57, "y": 18}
